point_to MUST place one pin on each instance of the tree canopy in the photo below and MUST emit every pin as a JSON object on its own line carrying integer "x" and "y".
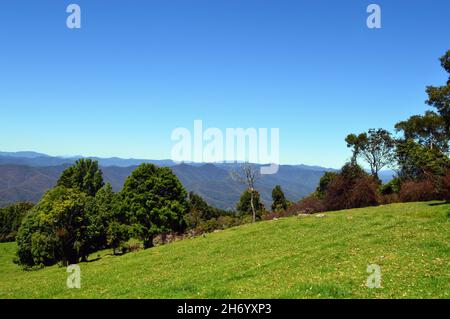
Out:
{"x": 417, "y": 162}
{"x": 84, "y": 175}
{"x": 427, "y": 130}
{"x": 55, "y": 230}
{"x": 324, "y": 182}
{"x": 155, "y": 202}
{"x": 439, "y": 96}
{"x": 11, "y": 218}
{"x": 279, "y": 201}
{"x": 375, "y": 147}
{"x": 250, "y": 204}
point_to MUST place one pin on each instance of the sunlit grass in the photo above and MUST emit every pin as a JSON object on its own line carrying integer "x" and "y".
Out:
{"x": 296, "y": 257}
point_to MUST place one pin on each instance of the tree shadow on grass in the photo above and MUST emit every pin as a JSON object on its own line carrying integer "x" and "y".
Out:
{"x": 92, "y": 260}
{"x": 439, "y": 204}
{"x": 117, "y": 254}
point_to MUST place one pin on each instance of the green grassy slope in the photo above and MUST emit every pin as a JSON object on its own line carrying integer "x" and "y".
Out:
{"x": 297, "y": 257}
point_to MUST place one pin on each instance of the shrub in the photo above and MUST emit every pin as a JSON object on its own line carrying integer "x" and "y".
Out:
{"x": 11, "y": 218}
{"x": 43, "y": 248}
{"x": 244, "y": 205}
{"x": 391, "y": 187}
{"x": 352, "y": 188}
{"x": 27, "y": 229}
{"x": 307, "y": 205}
{"x": 389, "y": 199}
{"x": 418, "y": 191}
{"x": 200, "y": 211}
{"x": 418, "y": 162}
{"x": 273, "y": 215}
{"x": 364, "y": 193}
{"x": 446, "y": 186}
{"x": 209, "y": 225}
{"x": 325, "y": 180}
{"x": 55, "y": 230}
{"x": 227, "y": 221}
{"x": 133, "y": 247}
{"x": 280, "y": 202}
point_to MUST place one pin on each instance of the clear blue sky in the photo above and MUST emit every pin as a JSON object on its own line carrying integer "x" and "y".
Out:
{"x": 138, "y": 69}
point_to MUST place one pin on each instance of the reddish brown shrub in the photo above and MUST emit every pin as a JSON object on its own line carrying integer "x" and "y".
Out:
{"x": 418, "y": 191}
{"x": 345, "y": 193}
{"x": 336, "y": 196}
{"x": 389, "y": 199}
{"x": 307, "y": 205}
{"x": 364, "y": 193}
{"x": 273, "y": 215}
{"x": 446, "y": 186}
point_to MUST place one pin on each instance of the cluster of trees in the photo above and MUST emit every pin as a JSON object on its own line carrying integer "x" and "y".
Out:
{"x": 250, "y": 201}
{"x": 204, "y": 218}
{"x": 422, "y": 151}
{"x": 81, "y": 214}
{"x": 419, "y": 155}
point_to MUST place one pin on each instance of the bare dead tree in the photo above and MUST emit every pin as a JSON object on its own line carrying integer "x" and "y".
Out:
{"x": 247, "y": 174}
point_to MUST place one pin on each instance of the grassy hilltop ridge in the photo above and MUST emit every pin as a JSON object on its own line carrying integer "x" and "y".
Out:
{"x": 296, "y": 257}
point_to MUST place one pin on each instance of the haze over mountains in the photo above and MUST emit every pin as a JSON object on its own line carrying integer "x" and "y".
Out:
{"x": 38, "y": 159}
{"x": 26, "y": 176}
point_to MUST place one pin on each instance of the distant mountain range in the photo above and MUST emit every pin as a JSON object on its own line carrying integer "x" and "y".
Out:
{"x": 28, "y": 175}
{"x": 40, "y": 160}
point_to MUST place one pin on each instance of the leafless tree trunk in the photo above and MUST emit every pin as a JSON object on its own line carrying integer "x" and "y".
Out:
{"x": 248, "y": 175}
{"x": 252, "y": 205}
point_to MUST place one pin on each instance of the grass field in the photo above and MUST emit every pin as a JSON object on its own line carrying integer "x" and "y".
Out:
{"x": 296, "y": 257}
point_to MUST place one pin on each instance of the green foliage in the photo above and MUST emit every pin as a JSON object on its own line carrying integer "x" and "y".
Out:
{"x": 439, "y": 97}
{"x": 200, "y": 212}
{"x": 155, "y": 202}
{"x": 419, "y": 162}
{"x": 392, "y": 187}
{"x": 375, "y": 147}
{"x": 104, "y": 211}
{"x": 84, "y": 176}
{"x": 11, "y": 218}
{"x": 427, "y": 130}
{"x": 55, "y": 230}
{"x": 422, "y": 153}
{"x": 24, "y": 253}
{"x": 198, "y": 204}
{"x": 244, "y": 205}
{"x": 279, "y": 201}
{"x": 44, "y": 249}
{"x": 354, "y": 141}
{"x": 325, "y": 180}
{"x": 117, "y": 234}
{"x": 207, "y": 211}
{"x": 227, "y": 221}
{"x": 352, "y": 172}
